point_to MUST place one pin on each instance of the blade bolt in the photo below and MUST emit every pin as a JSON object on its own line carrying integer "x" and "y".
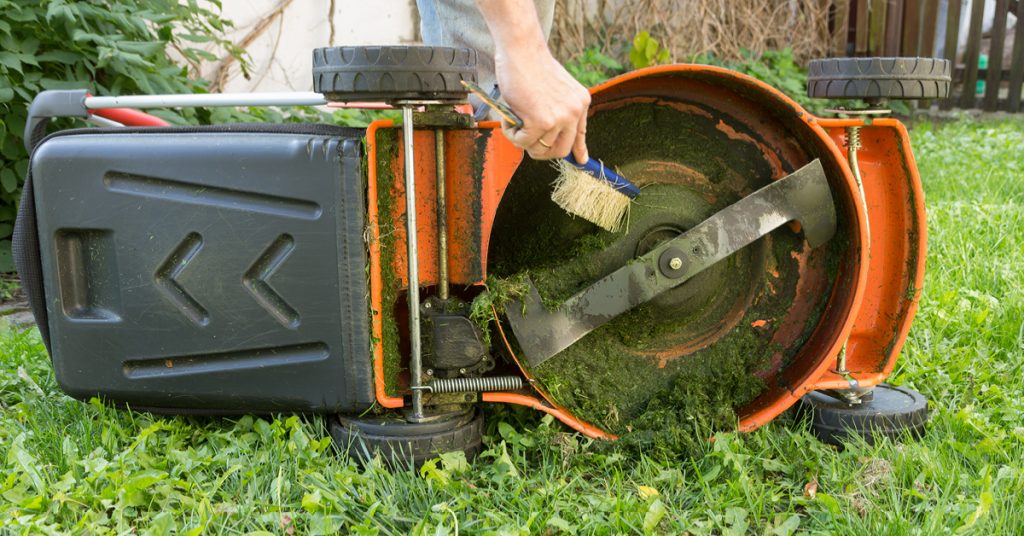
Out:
{"x": 672, "y": 262}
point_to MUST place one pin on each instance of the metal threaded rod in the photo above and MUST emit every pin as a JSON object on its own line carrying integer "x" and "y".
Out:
{"x": 442, "y": 218}
{"x": 461, "y": 385}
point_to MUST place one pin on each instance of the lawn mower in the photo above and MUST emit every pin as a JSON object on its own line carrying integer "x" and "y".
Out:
{"x": 394, "y": 277}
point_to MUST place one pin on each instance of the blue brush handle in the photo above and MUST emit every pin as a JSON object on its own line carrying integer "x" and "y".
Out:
{"x": 596, "y": 168}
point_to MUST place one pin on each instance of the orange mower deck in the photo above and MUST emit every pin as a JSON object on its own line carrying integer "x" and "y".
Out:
{"x": 869, "y": 308}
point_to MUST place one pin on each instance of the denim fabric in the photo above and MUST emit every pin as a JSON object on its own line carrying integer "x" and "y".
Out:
{"x": 459, "y": 23}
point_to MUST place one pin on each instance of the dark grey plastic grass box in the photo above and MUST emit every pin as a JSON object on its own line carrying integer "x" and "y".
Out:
{"x": 206, "y": 270}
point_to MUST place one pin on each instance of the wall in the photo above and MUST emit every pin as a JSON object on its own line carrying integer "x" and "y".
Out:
{"x": 284, "y": 32}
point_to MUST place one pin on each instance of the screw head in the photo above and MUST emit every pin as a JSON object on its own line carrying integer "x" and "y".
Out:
{"x": 426, "y": 305}
{"x": 430, "y": 372}
{"x": 675, "y": 263}
{"x": 462, "y": 371}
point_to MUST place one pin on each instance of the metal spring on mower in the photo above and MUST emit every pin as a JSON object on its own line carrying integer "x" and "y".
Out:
{"x": 461, "y": 385}
{"x": 853, "y": 138}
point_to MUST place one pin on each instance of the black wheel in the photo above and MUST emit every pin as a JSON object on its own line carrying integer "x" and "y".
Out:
{"x": 893, "y": 412}
{"x": 878, "y": 78}
{"x": 391, "y": 73}
{"x": 400, "y": 442}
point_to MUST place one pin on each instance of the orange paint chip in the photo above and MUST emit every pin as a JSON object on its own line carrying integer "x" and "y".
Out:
{"x": 759, "y": 323}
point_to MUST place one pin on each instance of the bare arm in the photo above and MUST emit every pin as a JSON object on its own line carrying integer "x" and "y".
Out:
{"x": 551, "y": 103}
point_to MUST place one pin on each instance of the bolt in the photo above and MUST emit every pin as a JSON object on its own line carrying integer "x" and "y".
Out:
{"x": 462, "y": 371}
{"x": 426, "y": 305}
{"x": 430, "y": 372}
{"x": 675, "y": 263}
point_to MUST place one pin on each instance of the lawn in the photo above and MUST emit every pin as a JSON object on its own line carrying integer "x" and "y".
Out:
{"x": 69, "y": 466}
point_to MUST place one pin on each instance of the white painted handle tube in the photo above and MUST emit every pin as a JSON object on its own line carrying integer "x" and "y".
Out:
{"x": 211, "y": 100}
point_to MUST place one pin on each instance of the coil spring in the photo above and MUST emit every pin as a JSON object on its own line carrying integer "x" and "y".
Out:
{"x": 853, "y": 137}
{"x": 461, "y": 385}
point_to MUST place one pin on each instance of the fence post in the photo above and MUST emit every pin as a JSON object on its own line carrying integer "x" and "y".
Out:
{"x": 967, "y": 96}
{"x": 952, "y": 35}
{"x": 841, "y": 30}
{"x": 861, "y": 38}
{"x": 876, "y": 33}
{"x": 994, "y": 76}
{"x": 893, "y": 27}
{"x": 911, "y": 28}
{"x": 1017, "y": 62}
{"x": 929, "y": 20}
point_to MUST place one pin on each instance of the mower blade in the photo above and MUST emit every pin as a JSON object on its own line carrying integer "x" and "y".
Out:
{"x": 803, "y": 196}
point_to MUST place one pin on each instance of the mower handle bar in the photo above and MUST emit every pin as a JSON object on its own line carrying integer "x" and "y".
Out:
{"x": 121, "y": 111}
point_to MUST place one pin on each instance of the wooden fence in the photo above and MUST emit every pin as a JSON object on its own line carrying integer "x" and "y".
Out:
{"x": 909, "y": 28}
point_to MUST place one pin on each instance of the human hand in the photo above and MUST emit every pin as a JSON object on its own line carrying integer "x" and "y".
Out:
{"x": 551, "y": 103}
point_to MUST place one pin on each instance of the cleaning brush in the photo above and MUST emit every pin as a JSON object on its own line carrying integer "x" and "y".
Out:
{"x": 593, "y": 192}
{"x": 590, "y": 190}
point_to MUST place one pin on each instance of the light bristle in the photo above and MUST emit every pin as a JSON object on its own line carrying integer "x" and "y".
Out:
{"x": 589, "y": 197}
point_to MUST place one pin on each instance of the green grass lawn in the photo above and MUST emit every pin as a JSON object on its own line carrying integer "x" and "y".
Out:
{"x": 85, "y": 468}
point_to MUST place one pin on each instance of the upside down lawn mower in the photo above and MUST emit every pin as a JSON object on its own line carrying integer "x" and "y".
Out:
{"x": 396, "y": 276}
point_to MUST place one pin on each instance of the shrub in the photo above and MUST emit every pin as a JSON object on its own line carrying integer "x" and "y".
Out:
{"x": 106, "y": 47}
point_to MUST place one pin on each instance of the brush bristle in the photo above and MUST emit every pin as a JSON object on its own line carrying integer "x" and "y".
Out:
{"x": 589, "y": 197}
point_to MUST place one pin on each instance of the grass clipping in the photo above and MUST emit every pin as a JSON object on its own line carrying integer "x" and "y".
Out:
{"x": 589, "y": 197}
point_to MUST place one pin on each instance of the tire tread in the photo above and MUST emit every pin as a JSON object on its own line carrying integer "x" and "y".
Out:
{"x": 393, "y": 72}
{"x": 878, "y": 78}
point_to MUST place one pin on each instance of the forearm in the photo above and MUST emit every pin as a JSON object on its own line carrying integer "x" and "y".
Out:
{"x": 515, "y": 28}
{"x": 551, "y": 104}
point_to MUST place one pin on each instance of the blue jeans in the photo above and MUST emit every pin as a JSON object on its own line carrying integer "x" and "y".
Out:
{"x": 458, "y": 23}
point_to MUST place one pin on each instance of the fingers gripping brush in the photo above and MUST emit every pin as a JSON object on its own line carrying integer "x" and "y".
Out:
{"x": 589, "y": 190}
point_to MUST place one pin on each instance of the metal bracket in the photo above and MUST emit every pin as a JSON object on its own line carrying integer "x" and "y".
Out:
{"x": 803, "y": 196}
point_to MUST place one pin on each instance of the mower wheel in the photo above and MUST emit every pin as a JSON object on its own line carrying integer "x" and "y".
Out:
{"x": 401, "y": 443}
{"x": 893, "y": 412}
{"x": 878, "y": 78}
{"x": 392, "y": 73}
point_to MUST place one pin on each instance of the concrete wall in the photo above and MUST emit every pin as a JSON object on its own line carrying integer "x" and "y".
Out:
{"x": 281, "y": 55}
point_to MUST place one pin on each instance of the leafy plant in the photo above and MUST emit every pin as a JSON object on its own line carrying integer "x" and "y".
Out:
{"x": 593, "y": 67}
{"x": 118, "y": 47}
{"x": 646, "y": 51}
